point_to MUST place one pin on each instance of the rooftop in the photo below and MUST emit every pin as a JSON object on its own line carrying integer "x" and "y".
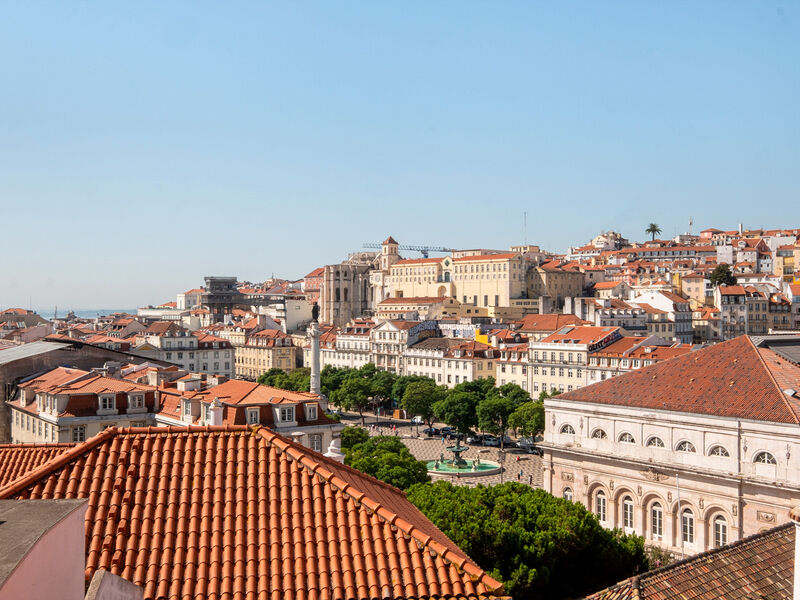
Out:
{"x": 248, "y": 514}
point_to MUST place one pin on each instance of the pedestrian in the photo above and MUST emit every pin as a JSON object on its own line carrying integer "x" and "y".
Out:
{"x": 519, "y": 475}
{"x": 442, "y": 440}
{"x": 530, "y": 479}
{"x": 517, "y": 458}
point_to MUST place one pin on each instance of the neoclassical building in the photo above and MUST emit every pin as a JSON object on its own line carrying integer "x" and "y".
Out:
{"x": 693, "y": 452}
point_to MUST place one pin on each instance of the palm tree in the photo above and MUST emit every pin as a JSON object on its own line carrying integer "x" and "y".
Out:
{"x": 653, "y": 230}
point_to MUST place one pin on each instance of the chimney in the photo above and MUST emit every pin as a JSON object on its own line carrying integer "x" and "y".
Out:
{"x": 741, "y": 229}
{"x": 216, "y": 412}
{"x": 794, "y": 515}
{"x": 335, "y": 452}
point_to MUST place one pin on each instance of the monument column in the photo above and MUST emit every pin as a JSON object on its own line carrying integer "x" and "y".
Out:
{"x": 313, "y": 336}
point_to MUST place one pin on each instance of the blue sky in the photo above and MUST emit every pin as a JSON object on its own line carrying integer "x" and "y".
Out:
{"x": 145, "y": 145}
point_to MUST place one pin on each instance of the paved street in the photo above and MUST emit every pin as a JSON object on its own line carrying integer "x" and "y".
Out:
{"x": 425, "y": 448}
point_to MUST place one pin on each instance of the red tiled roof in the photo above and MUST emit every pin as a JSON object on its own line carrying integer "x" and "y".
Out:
{"x": 759, "y": 566}
{"x": 389, "y": 240}
{"x": 318, "y": 272}
{"x": 583, "y": 334}
{"x": 248, "y": 514}
{"x": 17, "y": 460}
{"x": 482, "y": 257}
{"x": 549, "y": 322}
{"x": 237, "y": 391}
{"x": 730, "y": 379}
{"x": 607, "y": 285}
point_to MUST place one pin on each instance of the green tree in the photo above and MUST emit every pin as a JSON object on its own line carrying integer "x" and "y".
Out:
{"x": 457, "y": 409}
{"x": 300, "y": 379}
{"x": 351, "y": 436}
{"x": 354, "y": 394}
{"x": 528, "y": 418}
{"x": 381, "y": 383}
{"x": 481, "y": 387}
{"x": 387, "y": 459}
{"x": 400, "y": 384}
{"x": 332, "y": 378}
{"x": 533, "y": 542}
{"x": 653, "y": 230}
{"x": 420, "y": 396}
{"x": 722, "y": 275}
{"x": 493, "y": 413}
{"x": 274, "y": 378}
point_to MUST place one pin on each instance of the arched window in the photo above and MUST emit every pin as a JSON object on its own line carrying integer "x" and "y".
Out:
{"x": 627, "y": 512}
{"x": 567, "y": 428}
{"x": 600, "y": 506}
{"x": 656, "y": 521}
{"x": 627, "y": 438}
{"x": 687, "y": 526}
{"x": 718, "y": 451}
{"x": 599, "y": 434}
{"x": 568, "y": 494}
{"x": 655, "y": 442}
{"x": 765, "y": 458}
{"x": 720, "y": 531}
{"x": 685, "y": 446}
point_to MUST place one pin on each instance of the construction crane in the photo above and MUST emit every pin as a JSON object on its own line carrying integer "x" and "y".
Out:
{"x": 425, "y": 250}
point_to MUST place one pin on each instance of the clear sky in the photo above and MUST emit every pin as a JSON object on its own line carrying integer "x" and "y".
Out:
{"x": 144, "y": 145}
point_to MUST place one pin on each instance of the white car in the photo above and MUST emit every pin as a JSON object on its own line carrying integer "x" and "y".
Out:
{"x": 417, "y": 420}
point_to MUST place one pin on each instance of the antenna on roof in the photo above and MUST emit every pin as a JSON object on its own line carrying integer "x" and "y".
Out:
{"x": 525, "y": 226}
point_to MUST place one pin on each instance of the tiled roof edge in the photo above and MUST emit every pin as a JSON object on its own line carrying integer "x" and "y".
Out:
{"x": 786, "y": 403}
{"x": 461, "y": 562}
{"x": 703, "y": 555}
{"x": 56, "y": 463}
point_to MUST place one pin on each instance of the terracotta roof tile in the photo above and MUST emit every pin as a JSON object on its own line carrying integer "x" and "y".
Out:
{"x": 729, "y": 379}
{"x": 759, "y": 566}
{"x": 17, "y": 460}
{"x": 248, "y": 514}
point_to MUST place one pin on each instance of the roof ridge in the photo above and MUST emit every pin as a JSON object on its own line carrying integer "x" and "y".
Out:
{"x": 772, "y": 378}
{"x": 463, "y": 562}
{"x": 56, "y": 462}
{"x": 714, "y": 551}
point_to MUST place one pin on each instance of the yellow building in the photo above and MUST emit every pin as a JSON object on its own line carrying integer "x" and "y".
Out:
{"x": 484, "y": 280}
{"x": 262, "y": 351}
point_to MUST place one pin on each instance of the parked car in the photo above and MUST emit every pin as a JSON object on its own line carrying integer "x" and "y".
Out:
{"x": 508, "y": 442}
{"x": 417, "y": 420}
{"x": 448, "y": 432}
{"x": 431, "y": 431}
{"x": 490, "y": 440}
{"x": 535, "y": 450}
{"x": 475, "y": 440}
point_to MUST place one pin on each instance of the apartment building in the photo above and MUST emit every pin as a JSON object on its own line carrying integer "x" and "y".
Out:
{"x": 198, "y": 351}
{"x": 348, "y": 348}
{"x": 692, "y": 453}
{"x": 72, "y": 405}
{"x": 560, "y": 360}
{"x": 468, "y": 361}
{"x": 264, "y": 350}
{"x": 630, "y": 354}
{"x": 389, "y": 341}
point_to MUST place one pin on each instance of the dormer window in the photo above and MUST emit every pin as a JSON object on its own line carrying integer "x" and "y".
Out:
{"x": 108, "y": 402}
{"x": 136, "y": 401}
{"x": 187, "y": 409}
{"x": 311, "y": 412}
{"x": 286, "y": 414}
{"x": 253, "y": 416}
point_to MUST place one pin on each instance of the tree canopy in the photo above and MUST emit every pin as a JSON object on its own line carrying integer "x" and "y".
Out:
{"x": 534, "y": 542}
{"x": 387, "y": 459}
{"x": 722, "y": 275}
{"x": 297, "y": 380}
{"x": 400, "y": 384}
{"x": 351, "y": 436}
{"x": 354, "y": 394}
{"x": 653, "y": 229}
{"x": 493, "y": 413}
{"x": 528, "y": 418}
{"x": 458, "y": 409}
{"x": 419, "y": 398}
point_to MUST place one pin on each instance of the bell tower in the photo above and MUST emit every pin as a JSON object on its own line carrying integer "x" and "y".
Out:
{"x": 389, "y": 253}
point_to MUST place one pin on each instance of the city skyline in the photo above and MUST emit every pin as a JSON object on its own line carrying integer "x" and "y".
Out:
{"x": 146, "y": 149}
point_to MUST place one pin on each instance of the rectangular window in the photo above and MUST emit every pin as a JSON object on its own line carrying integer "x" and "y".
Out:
{"x": 107, "y": 402}
{"x": 657, "y": 522}
{"x": 311, "y": 412}
{"x": 316, "y": 442}
{"x": 252, "y": 416}
{"x": 79, "y": 433}
{"x": 136, "y": 401}
{"x": 287, "y": 414}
